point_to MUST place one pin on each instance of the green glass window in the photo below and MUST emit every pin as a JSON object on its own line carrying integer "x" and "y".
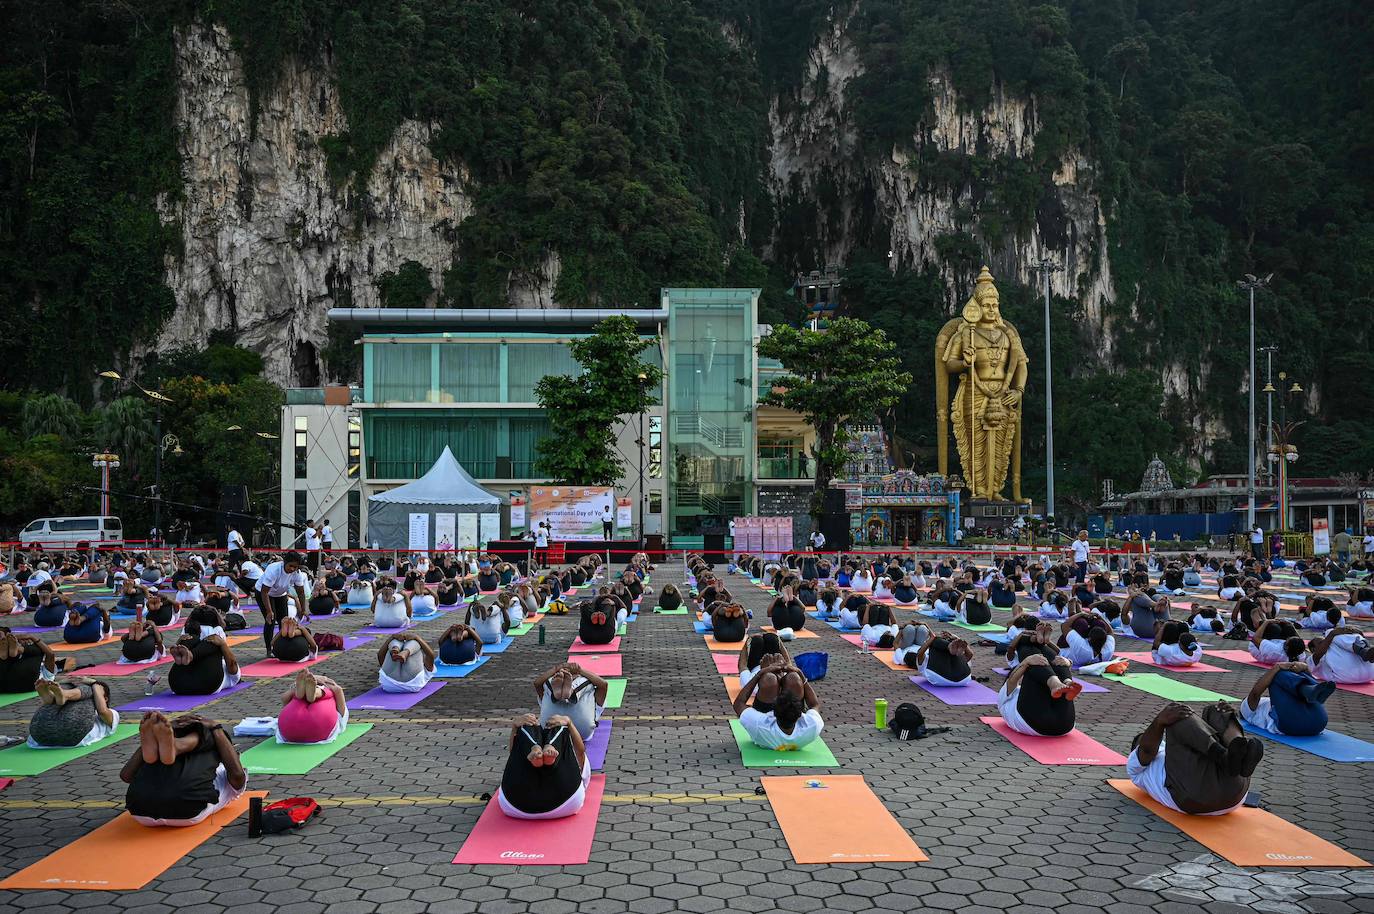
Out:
{"x": 528, "y": 363}
{"x": 400, "y": 372}
{"x": 470, "y": 372}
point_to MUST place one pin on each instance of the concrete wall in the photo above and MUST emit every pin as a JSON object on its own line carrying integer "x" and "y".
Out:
{"x": 327, "y": 481}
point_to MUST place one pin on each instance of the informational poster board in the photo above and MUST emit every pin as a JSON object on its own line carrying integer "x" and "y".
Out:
{"x": 573, "y": 512}
{"x": 467, "y": 531}
{"x": 517, "y": 513}
{"x": 1321, "y": 536}
{"x": 777, "y": 536}
{"x": 749, "y": 535}
{"x": 445, "y": 531}
{"x": 419, "y": 531}
{"x": 488, "y": 528}
{"x": 624, "y": 513}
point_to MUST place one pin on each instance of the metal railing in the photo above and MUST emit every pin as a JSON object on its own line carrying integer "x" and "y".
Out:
{"x": 797, "y": 467}
{"x": 480, "y": 469}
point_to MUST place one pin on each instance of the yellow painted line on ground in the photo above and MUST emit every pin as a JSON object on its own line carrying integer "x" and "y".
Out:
{"x": 455, "y": 800}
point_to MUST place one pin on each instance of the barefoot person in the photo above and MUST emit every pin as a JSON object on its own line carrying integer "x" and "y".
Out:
{"x": 795, "y": 719}
{"x": 87, "y": 623}
{"x": 570, "y": 693}
{"x": 547, "y": 770}
{"x": 24, "y": 659}
{"x": 75, "y": 714}
{"x": 314, "y": 710}
{"x": 202, "y": 665}
{"x": 1037, "y": 698}
{"x": 942, "y": 659}
{"x": 406, "y": 664}
{"x": 1287, "y": 699}
{"x": 142, "y": 643}
{"x": 1209, "y": 760}
{"x": 182, "y": 772}
{"x": 459, "y": 644}
{"x": 294, "y": 643}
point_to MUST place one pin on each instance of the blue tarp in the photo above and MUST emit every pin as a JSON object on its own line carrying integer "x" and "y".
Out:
{"x": 1187, "y": 526}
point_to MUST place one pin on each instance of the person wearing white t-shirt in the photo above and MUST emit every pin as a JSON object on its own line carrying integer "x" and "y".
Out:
{"x": 817, "y": 541}
{"x": 326, "y": 537}
{"x": 1206, "y": 770}
{"x": 786, "y": 716}
{"x": 234, "y": 543}
{"x": 607, "y": 522}
{"x": 1175, "y": 644}
{"x": 1086, "y": 638}
{"x": 1368, "y": 542}
{"x": 312, "y": 545}
{"x": 1081, "y": 550}
{"x": 1257, "y": 543}
{"x": 1343, "y": 655}
{"x": 278, "y": 580}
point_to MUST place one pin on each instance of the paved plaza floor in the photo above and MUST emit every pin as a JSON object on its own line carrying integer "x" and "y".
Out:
{"x": 682, "y": 826}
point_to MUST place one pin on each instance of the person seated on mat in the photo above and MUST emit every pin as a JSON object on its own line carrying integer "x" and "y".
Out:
{"x": 878, "y": 626}
{"x": 1031, "y": 637}
{"x": 359, "y": 592}
{"x": 142, "y": 643}
{"x": 1343, "y": 655}
{"x": 26, "y": 658}
{"x": 1037, "y": 698}
{"x": 1360, "y": 602}
{"x": 314, "y": 710}
{"x": 507, "y": 605}
{"x": 1319, "y": 614}
{"x": 1199, "y": 764}
{"x": 786, "y": 611}
{"x": 529, "y": 602}
{"x": 1229, "y": 587}
{"x": 132, "y": 597}
{"x": 226, "y": 600}
{"x": 422, "y": 601}
{"x": 1055, "y": 606}
{"x": 756, "y": 653}
{"x": 11, "y": 598}
{"x": 882, "y": 588}
{"x": 490, "y": 624}
{"x": 182, "y": 772}
{"x": 1275, "y": 641}
{"x": 1141, "y": 611}
{"x": 729, "y": 623}
{"x": 852, "y": 610}
{"x": 202, "y": 665}
{"x": 599, "y": 619}
{"x": 1001, "y": 592}
{"x": 794, "y": 720}
{"x": 51, "y": 609}
{"x": 488, "y": 581}
{"x": 76, "y": 713}
{"x": 828, "y": 605}
{"x": 669, "y": 598}
{"x": 448, "y": 592}
{"x": 904, "y": 591}
{"x": 294, "y": 643}
{"x": 86, "y": 624}
{"x": 406, "y": 664}
{"x": 391, "y": 605}
{"x": 1288, "y": 700}
{"x": 567, "y": 690}
{"x": 942, "y": 659}
{"x": 943, "y": 597}
{"x": 547, "y": 770}
{"x": 323, "y": 600}
{"x": 1205, "y": 619}
{"x": 204, "y": 621}
{"x": 1086, "y": 638}
{"x": 972, "y": 608}
{"x": 188, "y": 593}
{"x": 1249, "y": 613}
{"x": 459, "y": 644}
{"x": 633, "y": 584}
{"x": 1175, "y": 645}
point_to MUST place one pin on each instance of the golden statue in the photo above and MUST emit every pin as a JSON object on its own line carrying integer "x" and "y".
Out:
{"x": 986, "y": 353}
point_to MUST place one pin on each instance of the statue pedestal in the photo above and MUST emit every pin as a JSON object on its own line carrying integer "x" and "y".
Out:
{"x": 990, "y": 515}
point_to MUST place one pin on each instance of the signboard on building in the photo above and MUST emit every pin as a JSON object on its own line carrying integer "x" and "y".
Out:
{"x": 624, "y": 513}
{"x": 1321, "y": 536}
{"x": 517, "y": 512}
{"x": 573, "y": 512}
{"x": 419, "y": 532}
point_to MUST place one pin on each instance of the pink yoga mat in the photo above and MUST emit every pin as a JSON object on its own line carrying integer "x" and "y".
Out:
{"x": 272, "y": 668}
{"x": 123, "y": 669}
{"x": 381, "y": 700}
{"x": 600, "y": 664}
{"x": 1148, "y": 659}
{"x": 1240, "y": 657}
{"x": 974, "y": 693}
{"x": 726, "y": 663}
{"x": 578, "y": 647}
{"x": 5, "y": 782}
{"x": 1073, "y": 748}
{"x": 497, "y": 838}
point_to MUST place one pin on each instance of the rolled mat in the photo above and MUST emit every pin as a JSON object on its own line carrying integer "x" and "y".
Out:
{"x": 1073, "y": 748}
{"x": 726, "y": 663}
{"x": 15, "y": 697}
{"x": 457, "y": 670}
{"x": 600, "y": 664}
{"x": 813, "y": 755}
{"x": 497, "y": 838}
{"x": 837, "y": 819}
{"x": 272, "y": 757}
{"x": 1156, "y": 684}
{"x": 597, "y": 744}
{"x": 1147, "y": 658}
{"x": 123, "y": 855}
{"x": 1328, "y": 744}
{"x": 581, "y": 647}
{"x": 24, "y": 761}
{"x": 379, "y": 699}
{"x": 1248, "y": 837}
{"x": 971, "y": 693}
{"x": 615, "y": 693}
{"x": 171, "y": 702}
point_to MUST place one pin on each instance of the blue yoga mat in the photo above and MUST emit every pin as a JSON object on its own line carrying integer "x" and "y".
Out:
{"x": 1328, "y": 744}
{"x": 499, "y": 647}
{"x": 456, "y": 671}
{"x": 701, "y": 628}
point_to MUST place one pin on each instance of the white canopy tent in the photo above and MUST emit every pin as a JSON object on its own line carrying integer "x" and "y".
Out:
{"x": 443, "y": 509}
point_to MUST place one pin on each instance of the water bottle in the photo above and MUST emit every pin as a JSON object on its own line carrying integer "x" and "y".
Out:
{"x": 541, "y": 632}
{"x": 880, "y": 713}
{"x": 150, "y": 682}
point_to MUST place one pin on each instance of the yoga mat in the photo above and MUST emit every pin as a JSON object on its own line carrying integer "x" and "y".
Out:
{"x": 726, "y": 663}
{"x": 457, "y": 670}
{"x": 123, "y": 855}
{"x": 20, "y": 760}
{"x": 600, "y": 664}
{"x": 272, "y": 757}
{"x": 580, "y": 647}
{"x": 33, "y": 629}
{"x": 732, "y": 688}
{"x": 499, "y": 647}
{"x": 713, "y": 645}
{"x": 837, "y": 627}
{"x": 701, "y": 628}
{"x": 974, "y": 693}
{"x": 837, "y": 819}
{"x": 680, "y": 611}
{"x": 1088, "y": 685}
{"x": 623, "y": 628}
{"x": 497, "y": 838}
{"x": 5, "y": 782}
{"x": 272, "y": 668}
{"x": 796, "y": 633}
{"x": 379, "y": 699}
{"x": 1240, "y": 657}
{"x": 1336, "y": 747}
{"x": 1363, "y": 688}
{"x": 62, "y": 647}
{"x": 374, "y": 630}
{"x": 615, "y": 693}
{"x": 813, "y": 755}
{"x": 1247, "y": 836}
{"x": 1156, "y": 684}
{"x": 1073, "y": 748}
{"x": 174, "y": 703}
{"x": 123, "y": 669}
{"x": 597, "y": 745}
{"x": 984, "y": 627}
{"x": 1147, "y": 658}
{"x": 15, "y": 698}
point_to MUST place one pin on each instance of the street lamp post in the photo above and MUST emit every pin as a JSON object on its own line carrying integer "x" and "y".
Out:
{"x": 1268, "y": 392}
{"x": 106, "y": 462}
{"x": 1282, "y": 453}
{"x": 158, "y": 399}
{"x": 1250, "y": 283}
{"x": 1045, "y": 267}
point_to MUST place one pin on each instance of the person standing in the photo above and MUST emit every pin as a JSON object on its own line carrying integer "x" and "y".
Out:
{"x": 1342, "y": 543}
{"x": 326, "y": 536}
{"x": 541, "y": 544}
{"x": 312, "y": 545}
{"x": 277, "y": 581}
{"x": 1257, "y": 543}
{"x": 1368, "y": 543}
{"x": 234, "y": 543}
{"x": 817, "y": 540}
{"x": 607, "y": 523}
{"x": 1081, "y": 550}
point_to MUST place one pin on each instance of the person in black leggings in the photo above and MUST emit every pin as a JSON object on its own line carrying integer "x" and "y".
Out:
{"x": 1032, "y": 642}
{"x": 202, "y": 666}
{"x": 141, "y": 642}
{"x": 1037, "y": 698}
{"x": 728, "y": 622}
{"x": 293, "y": 642}
{"x": 546, "y": 772}
{"x": 24, "y": 659}
{"x": 761, "y": 650}
{"x": 786, "y": 611}
{"x": 669, "y": 598}
{"x": 599, "y": 619}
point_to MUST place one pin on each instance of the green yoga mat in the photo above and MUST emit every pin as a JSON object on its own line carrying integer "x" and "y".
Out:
{"x": 7, "y": 700}
{"x": 1164, "y": 687}
{"x": 615, "y": 693}
{"x": 273, "y": 757}
{"x": 985, "y": 627}
{"x": 812, "y": 755}
{"x": 680, "y": 611}
{"x": 623, "y": 628}
{"x": 22, "y": 761}
{"x": 521, "y": 629}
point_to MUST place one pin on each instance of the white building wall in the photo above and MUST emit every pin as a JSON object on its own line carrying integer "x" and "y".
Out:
{"x": 328, "y": 478}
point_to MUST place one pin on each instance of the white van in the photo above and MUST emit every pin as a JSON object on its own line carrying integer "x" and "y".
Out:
{"x": 68, "y": 532}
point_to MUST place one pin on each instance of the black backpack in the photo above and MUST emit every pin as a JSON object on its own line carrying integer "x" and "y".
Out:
{"x": 908, "y": 722}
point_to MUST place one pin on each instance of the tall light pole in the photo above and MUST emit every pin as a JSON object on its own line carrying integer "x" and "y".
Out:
{"x": 1250, "y": 283}
{"x": 1046, "y": 266}
{"x": 1268, "y": 391}
{"x": 158, "y": 399}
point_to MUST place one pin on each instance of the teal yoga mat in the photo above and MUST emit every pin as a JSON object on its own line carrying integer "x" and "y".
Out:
{"x": 1164, "y": 687}
{"x": 615, "y": 693}
{"x": 272, "y": 757}
{"x": 7, "y": 700}
{"x": 23, "y": 761}
{"x": 812, "y": 755}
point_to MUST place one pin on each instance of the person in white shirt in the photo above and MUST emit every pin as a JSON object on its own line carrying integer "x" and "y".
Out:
{"x": 1209, "y": 760}
{"x": 1081, "y": 550}
{"x": 1288, "y": 700}
{"x": 1343, "y": 655}
{"x": 234, "y": 543}
{"x": 786, "y": 716}
{"x": 607, "y": 523}
{"x": 1368, "y": 542}
{"x": 1275, "y": 641}
{"x": 277, "y": 581}
{"x": 817, "y": 540}
{"x": 312, "y": 545}
{"x": 1257, "y": 542}
{"x": 1086, "y": 638}
{"x": 326, "y": 537}
{"x": 1175, "y": 645}
{"x": 541, "y": 544}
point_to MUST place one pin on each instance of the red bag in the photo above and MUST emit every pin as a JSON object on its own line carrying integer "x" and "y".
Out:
{"x": 289, "y": 813}
{"x": 328, "y": 641}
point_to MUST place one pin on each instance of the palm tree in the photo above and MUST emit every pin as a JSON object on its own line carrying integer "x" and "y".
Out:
{"x": 51, "y": 414}
{"x": 125, "y": 427}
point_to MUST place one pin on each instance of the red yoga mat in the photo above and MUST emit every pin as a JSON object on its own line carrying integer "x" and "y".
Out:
{"x": 497, "y": 838}
{"x": 1073, "y": 748}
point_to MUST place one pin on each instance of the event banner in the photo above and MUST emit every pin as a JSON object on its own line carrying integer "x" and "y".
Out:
{"x": 517, "y": 512}
{"x": 1321, "y": 536}
{"x": 445, "y": 530}
{"x": 573, "y": 512}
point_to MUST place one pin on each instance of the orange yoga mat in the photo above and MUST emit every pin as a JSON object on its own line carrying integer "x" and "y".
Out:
{"x": 122, "y": 855}
{"x": 1248, "y": 837}
{"x": 62, "y": 647}
{"x": 801, "y": 633}
{"x": 714, "y": 645}
{"x": 732, "y": 689}
{"x": 838, "y": 819}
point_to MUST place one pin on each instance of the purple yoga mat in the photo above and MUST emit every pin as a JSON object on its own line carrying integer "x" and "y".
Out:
{"x": 33, "y": 629}
{"x": 1088, "y": 685}
{"x": 374, "y": 630}
{"x": 974, "y": 693}
{"x": 381, "y": 700}
{"x": 596, "y": 746}
{"x": 173, "y": 703}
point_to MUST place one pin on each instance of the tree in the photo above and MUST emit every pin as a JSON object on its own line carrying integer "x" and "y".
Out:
{"x": 847, "y": 371}
{"x": 51, "y": 414}
{"x": 125, "y": 427}
{"x": 613, "y": 383}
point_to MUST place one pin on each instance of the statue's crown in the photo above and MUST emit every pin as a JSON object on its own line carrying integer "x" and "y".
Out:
{"x": 984, "y": 283}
